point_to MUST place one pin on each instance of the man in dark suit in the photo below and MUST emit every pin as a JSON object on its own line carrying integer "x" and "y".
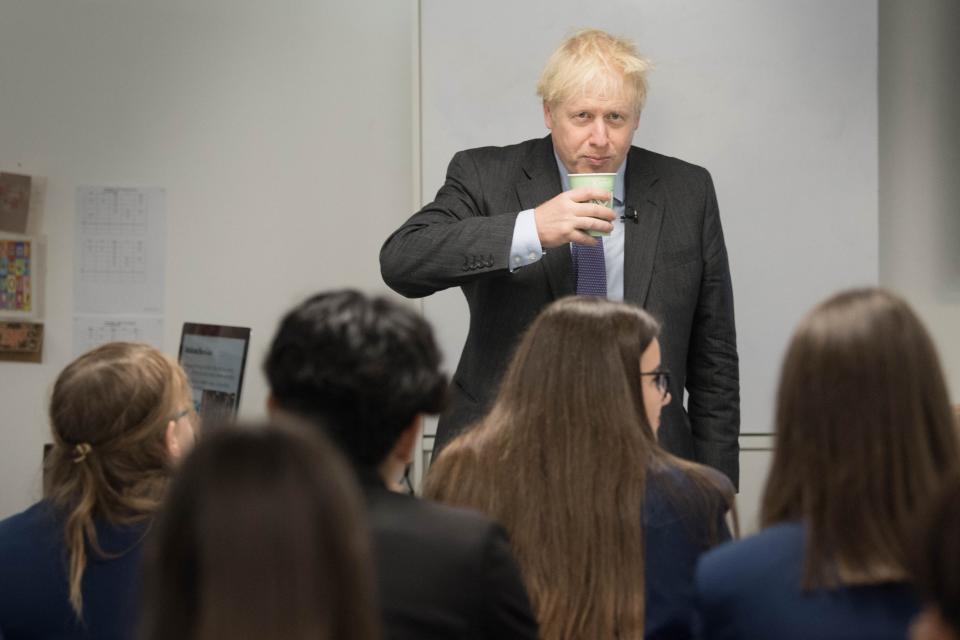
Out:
{"x": 507, "y": 229}
{"x": 364, "y": 370}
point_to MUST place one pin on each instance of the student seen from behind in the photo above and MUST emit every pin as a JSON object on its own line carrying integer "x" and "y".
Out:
{"x": 262, "y": 536}
{"x": 936, "y": 567}
{"x": 865, "y": 437}
{"x": 121, "y": 416}
{"x": 365, "y": 371}
{"x": 606, "y": 524}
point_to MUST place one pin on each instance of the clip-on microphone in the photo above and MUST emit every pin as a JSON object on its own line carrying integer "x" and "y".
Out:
{"x": 629, "y": 213}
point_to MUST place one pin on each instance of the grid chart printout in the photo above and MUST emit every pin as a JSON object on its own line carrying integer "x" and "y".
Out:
{"x": 119, "y": 250}
{"x": 108, "y": 260}
{"x": 92, "y": 331}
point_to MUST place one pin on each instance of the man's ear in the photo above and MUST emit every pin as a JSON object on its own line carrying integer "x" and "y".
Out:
{"x": 547, "y": 116}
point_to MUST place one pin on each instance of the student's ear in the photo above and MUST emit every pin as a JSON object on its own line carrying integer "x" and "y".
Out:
{"x": 930, "y": 625}
{"x": 172, "y": 441}
{"x": 272, "y": 405}
{"x": 407, "y": 443}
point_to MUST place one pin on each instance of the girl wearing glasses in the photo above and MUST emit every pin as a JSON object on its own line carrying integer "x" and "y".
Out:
{"x": 70, "y": 564}
{"x": 606, "y": 525}
{"x": 864, "y": 439}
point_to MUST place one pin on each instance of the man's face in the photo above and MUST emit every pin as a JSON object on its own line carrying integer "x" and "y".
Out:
{"x": 592, "y": 133}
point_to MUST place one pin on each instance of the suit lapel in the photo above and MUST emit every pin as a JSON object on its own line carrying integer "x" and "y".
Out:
{"x": 640, "y": 242}
{"x": 541, "y": 182}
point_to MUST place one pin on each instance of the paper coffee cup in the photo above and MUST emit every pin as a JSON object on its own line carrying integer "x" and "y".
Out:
{"x": 598, "y": 180}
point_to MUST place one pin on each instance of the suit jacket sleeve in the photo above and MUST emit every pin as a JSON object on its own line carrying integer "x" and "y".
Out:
{"x": 506, "y": 612}
{"x": 452, "y": 240}
{"x": 713, "y": 369}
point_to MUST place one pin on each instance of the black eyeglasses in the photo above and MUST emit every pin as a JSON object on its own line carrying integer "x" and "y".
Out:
{"x": 661, "y": 378}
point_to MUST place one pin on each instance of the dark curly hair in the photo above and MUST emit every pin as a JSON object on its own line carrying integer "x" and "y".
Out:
{"x": 362, "y": 367}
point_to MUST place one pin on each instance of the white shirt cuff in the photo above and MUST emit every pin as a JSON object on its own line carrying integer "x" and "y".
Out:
{"x": 525, "y": 248}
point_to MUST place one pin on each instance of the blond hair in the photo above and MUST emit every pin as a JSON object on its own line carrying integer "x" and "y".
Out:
{"x": 108, "y": 413}
{"x": 594, "y": 60}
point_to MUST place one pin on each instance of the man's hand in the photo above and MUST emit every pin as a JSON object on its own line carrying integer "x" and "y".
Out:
{"x": 568, "y": 217}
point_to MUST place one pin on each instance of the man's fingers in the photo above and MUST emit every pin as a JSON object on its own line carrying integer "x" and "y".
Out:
{"x": 562, "y": 220}
{"x": 581, "y": 237}
{"x": 586, "y": 223}
{"x": 590, "y": 210}
{"x": 601, "y": 226}
{"x": 586, "y": 194}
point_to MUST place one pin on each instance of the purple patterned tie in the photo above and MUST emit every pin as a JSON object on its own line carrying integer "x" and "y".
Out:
{"x": 591, "y": 269}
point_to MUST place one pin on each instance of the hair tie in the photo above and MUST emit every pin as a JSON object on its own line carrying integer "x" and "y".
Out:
{"x": 81, "y": 450}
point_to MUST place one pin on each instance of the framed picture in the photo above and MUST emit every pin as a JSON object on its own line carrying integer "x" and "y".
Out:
{"x": 21, "y": 341}
{"x": 21, "y": 262}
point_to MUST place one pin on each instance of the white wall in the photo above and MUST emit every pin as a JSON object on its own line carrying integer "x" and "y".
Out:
{"x": 920, "y": 166}
{"x": 267, "y": 125}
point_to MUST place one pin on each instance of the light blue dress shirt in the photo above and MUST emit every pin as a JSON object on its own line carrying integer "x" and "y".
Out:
{"x": 525, "y": 248}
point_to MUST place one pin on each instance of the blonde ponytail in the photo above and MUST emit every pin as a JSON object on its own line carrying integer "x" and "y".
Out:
{"x": 79, "y": 528}
{"x": 109, "y": 412}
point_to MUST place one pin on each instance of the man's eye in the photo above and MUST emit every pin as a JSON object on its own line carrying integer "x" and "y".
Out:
{"x": 615, "y": 116}
{"x": 583, "y": 115}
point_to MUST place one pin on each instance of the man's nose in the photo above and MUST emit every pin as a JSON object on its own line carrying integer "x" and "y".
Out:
{"x": 598, "y": 133}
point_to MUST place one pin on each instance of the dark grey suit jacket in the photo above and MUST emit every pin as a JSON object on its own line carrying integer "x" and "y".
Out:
{"x": 675, "y": 266}
{"x": 444, "y": 572}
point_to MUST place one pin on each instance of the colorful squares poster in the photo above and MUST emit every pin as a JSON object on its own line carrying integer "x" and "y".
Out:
{"x": 16, "y": 271}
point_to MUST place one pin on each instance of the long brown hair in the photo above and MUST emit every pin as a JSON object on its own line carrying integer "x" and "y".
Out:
{"x": 108, "y": 412}
{"x": 935, "y": 560}
{"x": 562, "y": 461}
{"x": 864, "y": 436}
{"x": 262, "y": 536}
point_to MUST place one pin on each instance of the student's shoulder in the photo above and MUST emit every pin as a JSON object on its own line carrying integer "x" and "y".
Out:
{"x": 775, "y": 551}
{"x": 30, "y": 522}
{"x": 691, "y": 487}
{"x": 429, "y": 519}
{"x": 27, "y": 538}
{"x": 681, "y": 478}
